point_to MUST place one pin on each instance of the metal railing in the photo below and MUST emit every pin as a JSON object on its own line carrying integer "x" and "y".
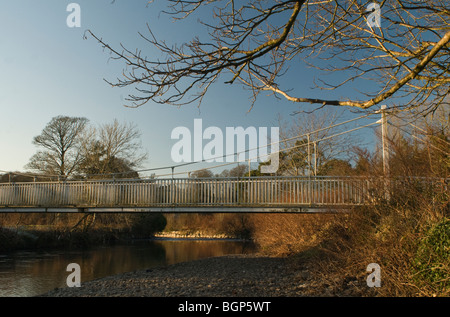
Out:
{"x": 190, "y": 192}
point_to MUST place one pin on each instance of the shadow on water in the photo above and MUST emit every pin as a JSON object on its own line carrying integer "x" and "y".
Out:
{"x": 31, "y": 273}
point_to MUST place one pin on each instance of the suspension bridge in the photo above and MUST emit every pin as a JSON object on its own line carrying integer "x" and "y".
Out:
{"x": 254, "y": 194}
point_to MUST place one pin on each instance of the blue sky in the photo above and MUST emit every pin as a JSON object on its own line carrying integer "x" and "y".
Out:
{"x": 48, "y": 69}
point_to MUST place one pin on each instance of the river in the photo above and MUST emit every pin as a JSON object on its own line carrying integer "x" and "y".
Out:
{"x": 31, "y": 273}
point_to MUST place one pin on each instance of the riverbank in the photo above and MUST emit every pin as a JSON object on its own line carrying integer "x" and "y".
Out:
{"x": 16, "y": 239}
{"x": 20, "y": 238}
{"x": 225, "y": 276}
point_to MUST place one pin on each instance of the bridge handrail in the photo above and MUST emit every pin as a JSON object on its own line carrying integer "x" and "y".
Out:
{"x": 244, "y": 178}
{"x": 220, "y": 191}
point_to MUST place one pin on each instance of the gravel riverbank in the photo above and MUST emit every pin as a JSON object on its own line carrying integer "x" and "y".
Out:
{"x": 225, "y": 276}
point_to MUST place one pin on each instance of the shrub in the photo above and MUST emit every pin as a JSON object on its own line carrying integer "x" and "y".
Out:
{"x": 431, "y": 263}
{"x": 237, "y": 225}
{"x": 147, "y": 224}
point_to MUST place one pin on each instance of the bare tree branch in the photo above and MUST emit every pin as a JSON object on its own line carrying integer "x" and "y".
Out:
{"x": 254, "y": 42}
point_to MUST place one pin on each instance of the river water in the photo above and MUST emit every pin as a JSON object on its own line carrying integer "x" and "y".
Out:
{"x": 31, "y": 273}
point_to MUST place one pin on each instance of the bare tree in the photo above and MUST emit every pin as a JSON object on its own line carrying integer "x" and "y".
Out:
{"x": 419, "y": 145}
{"x": 254, "y": 42}
{"x": 60, "y": 143}
{"x": 113, "y": 148}
{"x": 312, "y": 142}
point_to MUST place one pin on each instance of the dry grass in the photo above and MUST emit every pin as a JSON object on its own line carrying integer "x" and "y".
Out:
{"x": 399, "y": 236}
{"x": 287, "y": 234}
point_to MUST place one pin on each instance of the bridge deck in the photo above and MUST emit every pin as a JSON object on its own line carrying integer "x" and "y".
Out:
{"x": 256, "y": 194}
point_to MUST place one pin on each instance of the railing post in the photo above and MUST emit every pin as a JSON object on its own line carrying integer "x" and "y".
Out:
{"x": 309, "y": 156}
{"x": 386, "y": 170}
{"x": 315, "y": 158}
{"x": 238, "y": 191}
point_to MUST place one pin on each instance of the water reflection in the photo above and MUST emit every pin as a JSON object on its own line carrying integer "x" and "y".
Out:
{"x": 29, "y": 273}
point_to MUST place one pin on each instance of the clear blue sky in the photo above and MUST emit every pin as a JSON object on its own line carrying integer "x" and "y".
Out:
{"x": 48, "y": 69}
